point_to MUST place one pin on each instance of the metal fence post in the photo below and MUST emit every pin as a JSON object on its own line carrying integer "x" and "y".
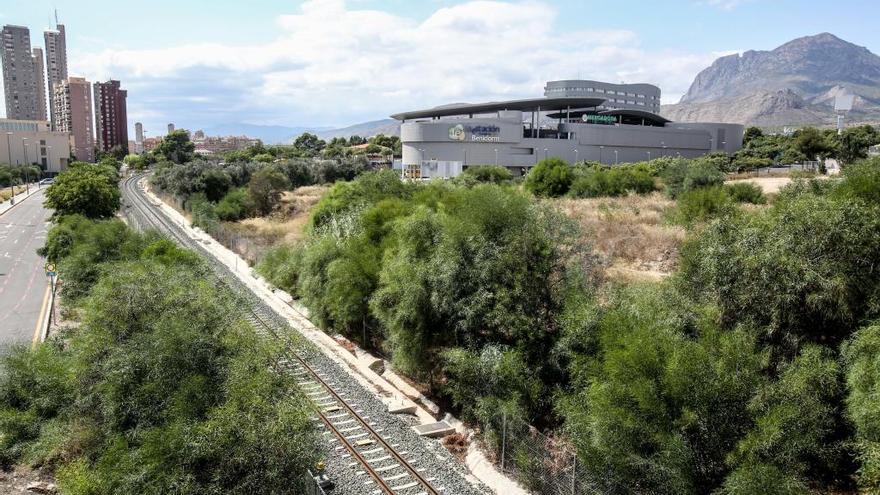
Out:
{"x": 503, "y": 437}
{"x": 574, "y": 465}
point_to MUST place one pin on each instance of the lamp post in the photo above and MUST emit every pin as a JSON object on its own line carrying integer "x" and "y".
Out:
{"x": 27, "y": 177}
{"x": 600, "y": 153}
{"x": 545, "y": 153}
{"x": 9, "y": 150}
{"x": 49, "y": 158}
{"x": 465, "y": 156}
{"x": 575, "y": 155}
{"x": 663, "y": 145}
{"x": 9, "y": 147}
{"x": 496, "y": 157}
{"x": 615, "y": 157}
{"x": 649, "y": 156}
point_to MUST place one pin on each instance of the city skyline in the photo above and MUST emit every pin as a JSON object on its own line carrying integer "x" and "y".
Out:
{"x": 334, "y": 63}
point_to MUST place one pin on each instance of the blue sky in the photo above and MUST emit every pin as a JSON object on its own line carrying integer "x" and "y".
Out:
{"x": 333, "y": 63}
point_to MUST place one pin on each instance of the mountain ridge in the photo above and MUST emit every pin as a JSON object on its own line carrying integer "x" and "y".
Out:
{"x": 795, "y": 83}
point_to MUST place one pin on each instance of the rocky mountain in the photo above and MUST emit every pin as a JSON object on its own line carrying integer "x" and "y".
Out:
{"x": 795, "y": 83}
{"x": 389, "y": 127}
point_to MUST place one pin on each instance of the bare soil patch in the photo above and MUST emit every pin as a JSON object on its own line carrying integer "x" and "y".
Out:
{"x": 630, "y": 233}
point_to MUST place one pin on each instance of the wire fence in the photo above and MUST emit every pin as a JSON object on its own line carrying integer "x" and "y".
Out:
{"x": 543, "y": 464}
{"x": 233, "y": 236}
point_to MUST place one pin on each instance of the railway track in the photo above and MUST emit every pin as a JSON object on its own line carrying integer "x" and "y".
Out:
{"x": 353, "y": 433}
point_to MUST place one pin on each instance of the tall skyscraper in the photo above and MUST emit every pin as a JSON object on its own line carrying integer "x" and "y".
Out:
{"x": 40, "y": 74}
{"x": 138, "y": 138}
{"x": 56, "y": 62}
{"x": 73, "y": 114}
{"x": 19, "y": 73}
{"x": 170, "y": 128}
{"x": 111, "y": 116}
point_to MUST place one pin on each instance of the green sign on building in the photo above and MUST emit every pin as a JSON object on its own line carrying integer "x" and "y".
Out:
{"x": 600, "y": 119}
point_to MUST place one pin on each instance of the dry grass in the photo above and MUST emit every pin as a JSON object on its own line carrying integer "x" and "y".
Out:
{"x": 630, "y": 233}
{"x": 288, "y": 223}
{"x": 5, "y": 192}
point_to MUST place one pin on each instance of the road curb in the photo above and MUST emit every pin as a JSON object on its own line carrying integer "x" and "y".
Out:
{"x": 44, "y": 334}
{"x": 19, "y": 202}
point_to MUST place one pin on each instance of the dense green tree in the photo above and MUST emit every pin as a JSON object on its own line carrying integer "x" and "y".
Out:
{"x": 309, "y": 144}
{"x": 265, "y": 188}
{"x": 797, "y": 421}
{"x": 162, "y": 388}
{"x": 813, "y": 143}
{"x": 176, "y": 146}
{"x": 853, "y": 144}
{"x": 215, "y": 184}
{"x": 801, "y": 270}
{"x": 664, "y": 398}
{"x": 135, "y": 162}
{"x": 488, "y": 173}
{"x": 752, "y": 133}
{"x": 551, "y": 177}
{"x": 687, "y": 175}
{"x": 862, "y": 359}
{"x": 88, "y": 190}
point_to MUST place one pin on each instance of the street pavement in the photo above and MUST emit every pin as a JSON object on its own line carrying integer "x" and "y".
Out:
{"x": 23, "y": 282}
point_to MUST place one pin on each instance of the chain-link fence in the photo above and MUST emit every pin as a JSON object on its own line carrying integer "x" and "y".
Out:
{"x": 543, "y": 464}
{"x": 233, "y": 237}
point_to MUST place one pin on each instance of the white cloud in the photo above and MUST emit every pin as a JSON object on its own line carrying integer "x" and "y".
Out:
{"x": 334, "y": 64}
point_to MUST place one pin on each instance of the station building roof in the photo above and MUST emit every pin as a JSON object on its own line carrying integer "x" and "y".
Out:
{"x": 527, "y": 105}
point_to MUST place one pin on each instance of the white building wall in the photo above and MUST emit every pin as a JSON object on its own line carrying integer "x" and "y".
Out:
{"x": 31, "y": 142}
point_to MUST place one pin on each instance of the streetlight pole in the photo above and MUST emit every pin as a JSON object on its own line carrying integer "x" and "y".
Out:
{"x": 545, "y": 153}
{"x": 9, "y": 151}
{"x": 649, "y": 156}
{"x": 615, "y": 157}
{"x": 9, "y": 147}
{"x": 575, "y": 155}
{"x": 496, "y": 157}
{"x": 600, "y": 154}
{"x": 465, "y": 156}
{"x": 27, "y": 178}
{"x": 49, "y": 162}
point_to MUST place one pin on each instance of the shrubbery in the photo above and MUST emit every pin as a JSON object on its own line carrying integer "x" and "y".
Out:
{"x": 551, "y": 177}
{"x": 598, "y": 181}
{"x": 488, "y": 173}
{"x": 85, "y": 189}
{"x": 745, "y": 192}
{"x": 163, "y": 388}
{"x": 422, "y": 269}
{"x": 687, "y": 175}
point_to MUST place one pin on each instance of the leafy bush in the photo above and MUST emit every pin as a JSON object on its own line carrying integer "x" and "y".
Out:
{"x": 88, "y": 190}
{"x": 861, "y": 181}
{"x": 234, "y": 206}
{"x": 265, "y": 188}
{"x": 163, "y": 388}
{"x": 492, "y": 381}
{"x": 489, "y": 173}
{"x": 552, "y": 177}
{"x": 745, "y": 192}
{"x": 281, "y": 267}
{"x": 862, "y": 358}
{"x": 660, "y": 403}
{"x": 702, "y": 204}
{"x": 802, "y": 270}
{"x": 599, "y": 181}
{"x": 685, "y": 175}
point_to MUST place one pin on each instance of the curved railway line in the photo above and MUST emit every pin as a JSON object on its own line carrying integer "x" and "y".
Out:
{"x": 388, "y": 468}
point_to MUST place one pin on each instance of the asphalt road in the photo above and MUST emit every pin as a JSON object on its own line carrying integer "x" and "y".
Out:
{"x": 23, "y": 282}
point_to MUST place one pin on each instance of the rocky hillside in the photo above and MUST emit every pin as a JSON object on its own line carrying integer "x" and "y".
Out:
{"x": 794, "y": 84}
